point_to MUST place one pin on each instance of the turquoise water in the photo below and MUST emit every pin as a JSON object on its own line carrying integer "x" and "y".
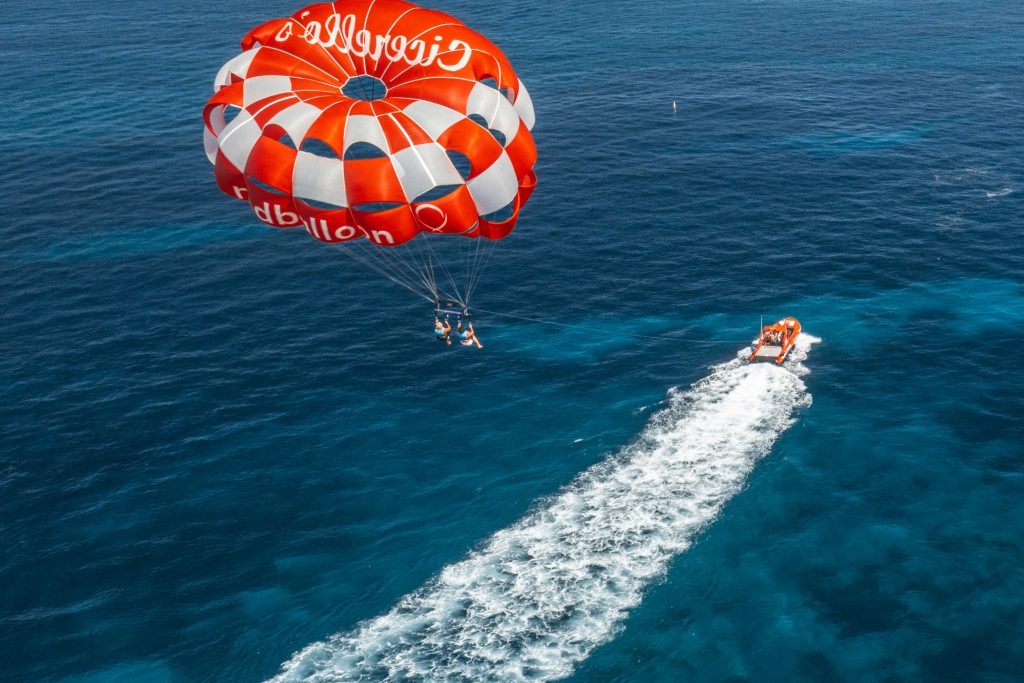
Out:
{"x": 223, "y": 445}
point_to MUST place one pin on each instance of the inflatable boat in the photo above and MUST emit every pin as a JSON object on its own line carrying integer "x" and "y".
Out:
{"x": 775, "y": 341}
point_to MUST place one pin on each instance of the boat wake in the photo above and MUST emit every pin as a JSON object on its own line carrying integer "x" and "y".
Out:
{"x": 539, "y": 596}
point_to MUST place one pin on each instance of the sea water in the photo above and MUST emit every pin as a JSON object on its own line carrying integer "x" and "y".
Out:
{"x": 228, "y": 454}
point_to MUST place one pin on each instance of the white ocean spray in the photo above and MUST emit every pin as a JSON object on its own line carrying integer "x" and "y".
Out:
{"x": 538, "y": 597}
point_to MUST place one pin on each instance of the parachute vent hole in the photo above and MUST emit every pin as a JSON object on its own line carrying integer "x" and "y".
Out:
{"x": 364, "y": 150}
{"x": 461, "y": 163}
{"x": 265, "y": 187}
{"x": 376, "y": 207}
{"x": 482, "y": 122}
{"x": 366, "y": 88}
{"x": 502, "y": 214}
{"x": 317, "y": 204}
{"x": 490, "y": 82}
{"x": 231, "y": 113}
{"x": 436, "y": 193}
{"x": 318, "y": 148}
{"x": 287, "y": 141}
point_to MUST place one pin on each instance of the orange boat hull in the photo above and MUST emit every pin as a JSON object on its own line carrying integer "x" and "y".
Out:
{"x": 776, "y": 341}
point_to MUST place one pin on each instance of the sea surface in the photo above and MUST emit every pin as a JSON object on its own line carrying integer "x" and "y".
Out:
{"x": 228, "y": 453}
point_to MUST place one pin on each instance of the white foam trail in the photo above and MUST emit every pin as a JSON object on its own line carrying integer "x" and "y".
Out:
{"x": 536, "y": 598}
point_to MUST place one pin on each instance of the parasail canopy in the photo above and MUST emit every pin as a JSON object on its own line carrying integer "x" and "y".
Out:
{"x": 375, "y": 121}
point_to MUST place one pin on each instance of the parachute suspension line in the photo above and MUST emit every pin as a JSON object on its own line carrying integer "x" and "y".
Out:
{"x": 463, "y": 265}
{"x": 425, "y": 255}
{"x": 407, "y": 256}
{"x": 482, "y": 250}
{"x": 425, "y": 266}
{"x": 454, "y": 283}
{"x": 482, "y": 258}
{"x": 433, "y": 274}
{"x": 429, "y": 273}
{"x": 377, "y": 264}
{"x": 471, "y": 255}
{"x": 415, "y": 257}
{"x": 457, "y": 295}
{"x": 377, "y": 254}
{"x": 433, "y": 277}
{"x": 380, "y": 268}
{"x": 370, "y": 260}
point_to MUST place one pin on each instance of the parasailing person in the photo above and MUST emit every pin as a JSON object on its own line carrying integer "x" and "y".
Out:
{"x": 443, "y": 332}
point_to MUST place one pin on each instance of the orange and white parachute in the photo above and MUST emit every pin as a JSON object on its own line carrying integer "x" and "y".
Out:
{"x": 374, "y": 121}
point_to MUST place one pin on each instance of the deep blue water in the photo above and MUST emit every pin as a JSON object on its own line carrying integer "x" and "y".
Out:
{"x": 221, "y": 444}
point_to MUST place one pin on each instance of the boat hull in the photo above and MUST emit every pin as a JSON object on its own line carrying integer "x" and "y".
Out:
{"x": 775, "y": 342}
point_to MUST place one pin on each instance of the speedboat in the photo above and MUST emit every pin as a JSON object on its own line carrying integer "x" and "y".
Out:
{"x": 775, "y": 341}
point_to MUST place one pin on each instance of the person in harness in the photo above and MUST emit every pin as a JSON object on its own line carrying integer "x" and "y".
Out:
{"x": 467, "y": 337}
{"x": 443, "y": 331}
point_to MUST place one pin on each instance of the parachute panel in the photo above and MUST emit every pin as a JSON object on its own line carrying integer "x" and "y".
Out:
{"x": 375, "y": 122}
